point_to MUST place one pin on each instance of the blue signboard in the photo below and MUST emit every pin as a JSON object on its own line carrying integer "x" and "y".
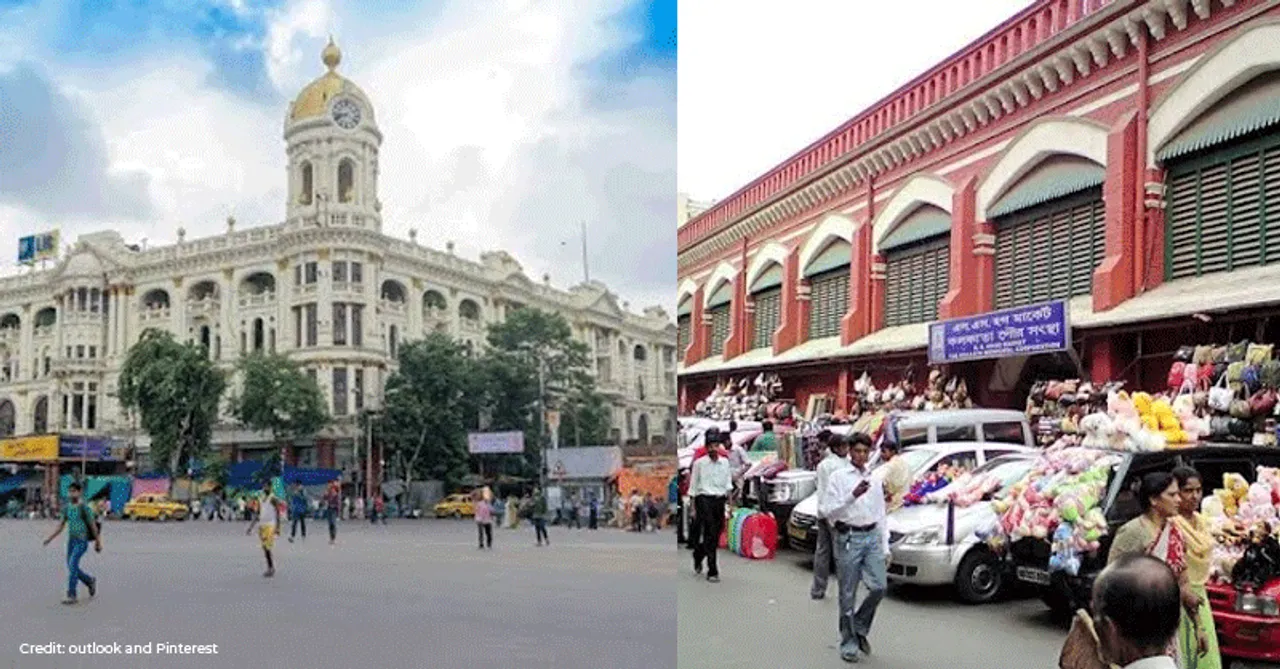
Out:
{"x": 88, "y": 448}
{"x": 1038, "y": 328}
{"x": 43, "y": 246}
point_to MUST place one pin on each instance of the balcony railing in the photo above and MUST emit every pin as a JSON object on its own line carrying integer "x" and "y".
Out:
{"x": 472, "y": 325}
{"x": 204, "y": 305}
{"x": 394, "y": 307}
{"x": 44, "y": 331}
{"x": 1027, "y": 30}
{"x": 155, "y": 314}
{"x": 348, "y": 287}
{"x": 263, "y": 299}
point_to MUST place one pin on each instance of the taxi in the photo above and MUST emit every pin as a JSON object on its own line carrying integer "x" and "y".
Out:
{"x": 455, "y": 506}
{"x": 154, "y": 507}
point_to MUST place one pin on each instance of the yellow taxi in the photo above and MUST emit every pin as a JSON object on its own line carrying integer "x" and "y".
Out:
{"x": 156, "y": 507}
{"x": 457, "y": 506}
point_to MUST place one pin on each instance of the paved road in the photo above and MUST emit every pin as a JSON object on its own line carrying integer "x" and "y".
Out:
{"x": 412, "y": 594}
{"x": 760, "y": 616}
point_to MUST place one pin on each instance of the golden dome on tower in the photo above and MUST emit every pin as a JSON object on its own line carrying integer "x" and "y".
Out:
{"x": 313, "y": 101}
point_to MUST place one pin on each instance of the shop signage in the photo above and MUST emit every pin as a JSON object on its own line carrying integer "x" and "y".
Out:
{"x": 495, "y": 442}
{"x": 30, "y": 449}
{"x": 87, "y": 448}
{"x": 1038, "y": 328}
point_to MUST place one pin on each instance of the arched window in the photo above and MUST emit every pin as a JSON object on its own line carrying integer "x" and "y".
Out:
{"x": 308, "y": 182}
{"x": 7, "y": 418}
{"x": 469, "y": 310}
{"x": 346, "y": 180}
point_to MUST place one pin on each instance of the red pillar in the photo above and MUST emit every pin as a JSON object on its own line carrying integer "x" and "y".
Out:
{"x": 699, "y": 331}
{"x": 788, "y": 334}
{"x": 736, "y": 343}
{"x": 964, "y": 293}
{"x": 1114, "y": 280}
{"x": 877, "y": 292}
{"x": 1104, "y": 362}
{"x": 803, "y": 305}
{"x": 856, "y": 324}
{"x": 1154, "y": 209}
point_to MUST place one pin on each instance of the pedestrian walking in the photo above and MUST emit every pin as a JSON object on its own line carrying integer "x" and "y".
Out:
{"x": 855, "y": 506}
{"x": 379, "y": 510}
{"x": 332, "y": 500}
{"x": 637, "y": 511}
{"x": 297, "y": 512}
{"x": 837, "y": 458}
{"x": 711, "y": 485}
{"x": 651, "y": 510}
{"x": 359, "y": 508}
{"x": 267, "y": 521}
{"x": 484, "y": 522}
{"x": 571, "y": 512}
{"x": 512, "y": 513}
{"x": 539, "y": 517}
{"x": 593, "y": 519}
{"x": 82, "y": 527}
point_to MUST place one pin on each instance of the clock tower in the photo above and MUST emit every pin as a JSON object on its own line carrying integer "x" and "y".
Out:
{"x": 332, "y": 142}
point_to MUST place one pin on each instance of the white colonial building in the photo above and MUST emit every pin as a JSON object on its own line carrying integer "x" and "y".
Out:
{"x": 326, "y": 287}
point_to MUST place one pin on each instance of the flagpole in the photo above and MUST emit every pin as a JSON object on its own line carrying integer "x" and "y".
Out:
{"x": 586, "y": 273}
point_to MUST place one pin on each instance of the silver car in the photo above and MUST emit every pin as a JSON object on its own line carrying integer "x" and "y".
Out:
{"x": 937, "y": 544}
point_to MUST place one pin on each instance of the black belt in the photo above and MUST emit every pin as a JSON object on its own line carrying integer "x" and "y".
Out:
{"x": 845, "y": 527}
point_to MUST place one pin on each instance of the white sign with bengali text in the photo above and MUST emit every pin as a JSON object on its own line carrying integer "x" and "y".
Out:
{"x": 495, "y": 442}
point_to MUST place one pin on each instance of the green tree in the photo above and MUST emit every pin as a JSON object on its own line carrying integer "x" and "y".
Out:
{"x": 175, "y": 389}
{"x": 218, "y": 471}
{"x": 430, "y": 404}
{"x": 278, "y": 398}
{"x": 532, "y": 341}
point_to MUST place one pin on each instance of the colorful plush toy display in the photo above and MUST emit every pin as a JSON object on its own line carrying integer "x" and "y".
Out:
{"x": 968, "y": 489}
{"x": 931, "y": 483}
{"x": 1058, "y": 498}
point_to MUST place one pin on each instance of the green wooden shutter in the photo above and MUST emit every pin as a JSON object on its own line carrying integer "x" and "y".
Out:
{"x": 768, "y": 313}
{"x": 916, "y": 280}
{"x": 1223, "y": 209}
{"x": 683, "y": 329}
{"x": 829, "y": 301}
{"x": 1049, "y": 252}
{"x": 719, "y": 328}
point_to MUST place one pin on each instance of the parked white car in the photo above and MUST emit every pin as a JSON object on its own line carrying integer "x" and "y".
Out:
{"x": 937, "y": 544}
{"x": 920, "y": 460}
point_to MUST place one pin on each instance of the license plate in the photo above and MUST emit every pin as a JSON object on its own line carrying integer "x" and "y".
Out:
{"x": 1037, "y": 576}
{"x": 797, "y": 533}
{"x": 1247, "y": 633}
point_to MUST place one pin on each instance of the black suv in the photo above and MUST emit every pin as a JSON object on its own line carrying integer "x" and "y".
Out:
{"x": 1064, "y": 593}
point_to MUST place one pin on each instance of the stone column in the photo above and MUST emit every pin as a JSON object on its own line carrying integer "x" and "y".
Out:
{"x": 228, "y": 309}
{"x": 877, "y": 292}
{"x": 178, "y": 311}
{"x": 736, "y": 343}
{"x": 962, "y": 272}
{"x": 30, "y": 365}
{"x": 699, "y": 331}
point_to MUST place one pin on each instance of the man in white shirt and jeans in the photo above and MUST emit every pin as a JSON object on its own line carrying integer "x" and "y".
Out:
{"x": 854, "y": 505}
{"x": 711, "y": 483}
{"x": 837, "y": 458}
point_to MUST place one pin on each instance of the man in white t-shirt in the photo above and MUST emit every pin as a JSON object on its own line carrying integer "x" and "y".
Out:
{"x": 268, "y": 522}
{"x": 711, "y": 483}
{"x": 837, "y": 458}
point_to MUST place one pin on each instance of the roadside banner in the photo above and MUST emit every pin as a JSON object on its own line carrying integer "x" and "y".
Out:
{"x": 495, "y": 442}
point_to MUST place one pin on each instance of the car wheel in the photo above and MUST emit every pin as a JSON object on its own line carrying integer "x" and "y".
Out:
{"x": 163, "y": 517}
{"x": 457, "y": 515}
{"x": 978, "y": 579}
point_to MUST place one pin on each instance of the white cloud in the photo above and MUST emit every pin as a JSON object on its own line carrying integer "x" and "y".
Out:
{"x": 758, "y": 84}
{"x": 489, "y": 139}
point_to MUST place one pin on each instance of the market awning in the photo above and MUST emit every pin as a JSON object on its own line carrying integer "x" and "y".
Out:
{"x": 896, "y": 339}
{"x": 1212, "y": 293}
{"x": 1254, "y": 106}
{"x": 1053, "y": 178}
{"x": 924, "y": 222}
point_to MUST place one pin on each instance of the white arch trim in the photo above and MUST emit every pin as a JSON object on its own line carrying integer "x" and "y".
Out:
{"x": 687, "y": 289}
{"x": 769, "y": 254}
{"x": 919, "y": 189}
{"x": 1216, "y": 74}
{"x": 832, "y": 227}
{"x": 1071, "y": 136}
{"x": 724, "y": 272}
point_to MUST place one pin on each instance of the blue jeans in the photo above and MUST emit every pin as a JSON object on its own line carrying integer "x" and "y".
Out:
{"x": 76, "y": 549}
{"x": 860, "y": 558}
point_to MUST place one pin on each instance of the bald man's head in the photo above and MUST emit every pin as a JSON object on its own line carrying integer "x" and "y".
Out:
{"x": 1137, "y": 599}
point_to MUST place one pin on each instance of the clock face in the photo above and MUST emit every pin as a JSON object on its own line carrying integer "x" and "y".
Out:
{"x": 346, "y": 113}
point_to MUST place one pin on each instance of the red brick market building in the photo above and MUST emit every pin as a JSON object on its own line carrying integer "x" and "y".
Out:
{"x": 1121, "y": 154}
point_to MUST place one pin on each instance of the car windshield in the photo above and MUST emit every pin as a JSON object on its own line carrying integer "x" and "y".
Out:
{"x": 917, "y": 459}
{"x": 1008, "y": 469}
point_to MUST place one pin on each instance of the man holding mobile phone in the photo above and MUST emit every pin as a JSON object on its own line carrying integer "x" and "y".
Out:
{"x": 712, "y": 482}
{"x": 854, "y": 504}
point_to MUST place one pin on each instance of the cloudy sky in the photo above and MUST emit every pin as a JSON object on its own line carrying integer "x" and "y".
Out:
{"x": 758, "y": 84}
{"x": 506, "y": 123}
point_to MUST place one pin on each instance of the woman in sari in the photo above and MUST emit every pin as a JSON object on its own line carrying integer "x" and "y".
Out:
{"x": 1197, "y": 638}
{"x": 1157, "y": 534}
